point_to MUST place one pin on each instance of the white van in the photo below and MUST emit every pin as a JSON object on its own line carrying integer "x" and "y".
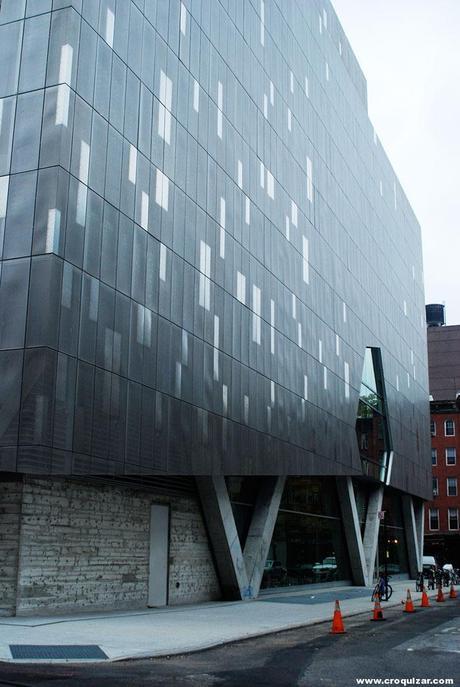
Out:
{"x": 429, "y": 562}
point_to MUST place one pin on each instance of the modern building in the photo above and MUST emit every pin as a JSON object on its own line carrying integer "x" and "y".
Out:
{"x": 213, "y": 371}
{"x": 442, "y": 526}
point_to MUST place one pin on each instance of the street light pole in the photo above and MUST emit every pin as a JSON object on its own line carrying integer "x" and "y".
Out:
{"x": 381, "y": 515}
{"x": 386, "y": 557}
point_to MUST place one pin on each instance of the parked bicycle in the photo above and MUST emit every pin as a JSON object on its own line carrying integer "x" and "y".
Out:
{"x": 382, "y": 589}
{"x": 450, "y": 574}
{"x": 430, "y": 579}
{"x": 429, "y": 576}
{"x": 433, "y": 579}
{"x": 420, "y": 582}
{"x": 442, "y": 578}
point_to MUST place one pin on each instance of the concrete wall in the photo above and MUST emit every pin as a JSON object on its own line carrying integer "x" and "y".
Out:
{"x": 10, "y": 519}
{"x": 86, "y": 547}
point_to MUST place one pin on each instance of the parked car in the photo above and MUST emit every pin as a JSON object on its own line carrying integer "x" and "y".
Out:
{"x": 274, "y": 573}
{"x": 429, "y": 566}
{"x": 329, "y": 563}
{"x": 301, "y": 574}
{"x": 327, "y": 569}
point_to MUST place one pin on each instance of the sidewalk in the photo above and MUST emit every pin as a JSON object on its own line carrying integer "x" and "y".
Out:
{"x": 176, "y": 630}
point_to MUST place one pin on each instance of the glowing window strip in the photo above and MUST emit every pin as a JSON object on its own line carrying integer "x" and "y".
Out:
{"x": 109, "y": 27}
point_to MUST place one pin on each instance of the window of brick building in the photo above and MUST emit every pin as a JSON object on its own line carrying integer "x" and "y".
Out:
{"x": 453, "y": 518}
{"x": 451, "y": 486}
{"x": 451, "y": 456}
{"x": 433, "y": 428}
{"x": 435, "y": 486}
{"x": 449, "y": 428}
{"x": 434, "y": 456}
{"x": 434, "y": 518}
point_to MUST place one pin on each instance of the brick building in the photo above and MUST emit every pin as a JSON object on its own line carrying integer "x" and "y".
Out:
{"x": 442, "y": 514}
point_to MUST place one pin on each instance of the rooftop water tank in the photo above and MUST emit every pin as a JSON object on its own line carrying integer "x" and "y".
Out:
{"x": 435, "y": 316}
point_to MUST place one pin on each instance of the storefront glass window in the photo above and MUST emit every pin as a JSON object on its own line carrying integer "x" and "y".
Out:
{"x": 308, "y": 545}
{"x": 392, "y": 541}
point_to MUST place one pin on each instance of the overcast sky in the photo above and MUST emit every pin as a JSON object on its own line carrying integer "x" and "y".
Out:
{"x": 409, "y": 51}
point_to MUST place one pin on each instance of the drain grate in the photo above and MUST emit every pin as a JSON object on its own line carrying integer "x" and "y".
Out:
{"x": 51, "y": 651}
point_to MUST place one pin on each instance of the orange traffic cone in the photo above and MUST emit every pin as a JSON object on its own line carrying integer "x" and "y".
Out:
{"x": 440, "y": 596}
{"x": 452, "y": 593}
{"x": 378, "y": 613}
{"x": 409, "y": 606}
{"x": 425, "y": 601}
{"x": 337, "y": 622}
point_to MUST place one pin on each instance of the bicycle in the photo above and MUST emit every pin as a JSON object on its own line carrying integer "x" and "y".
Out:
{"x": 420, "y": 582}
{"x": 452, "y": 579}
{"x": 447, "y": 578}
{"x": 382, "y": 589}
{"x": 442, "y": 578}
{"x": 430, "y": 579}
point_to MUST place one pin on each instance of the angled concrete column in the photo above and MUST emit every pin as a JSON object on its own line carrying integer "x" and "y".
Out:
{"x": 261, "y": 529}
{"x": 411, "y": 516}
{"x": 371, "y": 530}
{"x": 224, "y": 538}
{"x": 419, "y": 508}
{"x": 352, "y": 529}
{"x": 240, "y": 574}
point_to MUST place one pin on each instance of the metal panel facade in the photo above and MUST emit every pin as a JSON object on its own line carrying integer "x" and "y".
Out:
{"x": 201, "y": 233}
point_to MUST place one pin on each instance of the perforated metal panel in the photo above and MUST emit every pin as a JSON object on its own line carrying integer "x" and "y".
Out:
{"x": 210, "y": 238}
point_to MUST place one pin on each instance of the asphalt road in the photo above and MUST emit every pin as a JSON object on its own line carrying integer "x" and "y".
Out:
{"x": 423, "y": 645}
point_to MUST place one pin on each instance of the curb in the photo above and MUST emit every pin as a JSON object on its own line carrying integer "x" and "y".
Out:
{"x": 253, "y": 635}
{"x": 212, "y": 644}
